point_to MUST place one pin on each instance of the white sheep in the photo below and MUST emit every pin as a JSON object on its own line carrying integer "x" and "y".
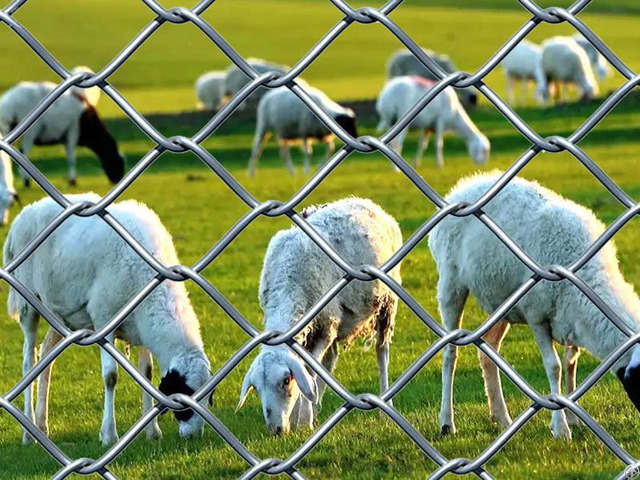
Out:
{"x": 564, "y": 62}
{"x": 598, "y": 62}
{"x": 85, "y": 273}
{"x": 282, "y": 112}
{"x": 554, "y": 231}
{"x": 8, "y": 193}
{"x": 404, "y": 63}
{"x": 295, "y": 275}
{"x": 209, "y": 90}
{"x": 444, "y": 112}
{"x": 524, "y": 64}
{"x": 235, "y": 79}
{"x": 71, "y": 120}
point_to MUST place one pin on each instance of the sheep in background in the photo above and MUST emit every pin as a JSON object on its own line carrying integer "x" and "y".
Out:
{"x": 209, "y": 90}
{"x": 404, "y": 63}
{"x": 444, "y": 112}
{"x": 85, "y": 273}
{"x": 282, "y": 112}
{"x": 8, "y": 193}
{"x": 598, "y": 62}
{"x": 296, "y": 273}
{"x": 235, "y": 79}
{"x": 71, "y": 120}
{"x": 565, "y": 62}
{"x": 524, "y": 64}
{"x": 554, "y": 231}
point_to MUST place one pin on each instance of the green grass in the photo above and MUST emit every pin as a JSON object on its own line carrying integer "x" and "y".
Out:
{"x": 198, "y": 209}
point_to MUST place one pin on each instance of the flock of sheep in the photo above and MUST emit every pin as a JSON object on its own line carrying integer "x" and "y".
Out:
{"x": 85, "y": 272}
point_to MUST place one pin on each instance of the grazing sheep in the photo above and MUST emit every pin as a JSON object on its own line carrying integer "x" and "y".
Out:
{"x": 403, "y": 62}
{"x": 554, "y": 231}
{"x": 8, "y": 193}
{"x": 598, "y": 62}
{"x": 444, "y": 112}
{"x": 565, "y": 62}
{"x": 209, "y": 90}
{"x": 71, "y": 120}
{"x": 85, "y": 273}
{"x": 295, "y": 275}
{"x": 282, "y": 112}
{"x": 235, "y": 79}
{"x": 524, "y": 64}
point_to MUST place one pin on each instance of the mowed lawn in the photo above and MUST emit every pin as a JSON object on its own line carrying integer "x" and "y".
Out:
{"x": 198, "y": 209}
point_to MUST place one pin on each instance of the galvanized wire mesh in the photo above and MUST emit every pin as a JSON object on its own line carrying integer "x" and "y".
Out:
{"x": 459, "y": 337}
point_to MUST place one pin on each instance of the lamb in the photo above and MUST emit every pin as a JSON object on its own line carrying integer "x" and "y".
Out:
{"x": 209, "y": 90}
{"x": 524, "y": 64}
{"x": 296, "y": 273}
{"x": 71, "y": 120}
{"x": 598, "y": 62}
{"x": 282, "y": 112}
{"x": 402, "y": 63}
{"x": 85, "y": 273}
{"x": 8, "y": 193}
{"x": 553, "y": 231}
{"x": 564, "y": 62}
{"x": 235, "y": 79}
{"x": 444, "y": 112}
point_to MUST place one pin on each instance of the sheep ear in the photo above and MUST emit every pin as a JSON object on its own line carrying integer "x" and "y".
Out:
{"x": 306, "y": 382}
{"x": 247, "y": 387}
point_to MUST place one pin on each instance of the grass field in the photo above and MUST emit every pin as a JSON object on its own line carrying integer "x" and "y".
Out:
{"x": 198, "y": 209}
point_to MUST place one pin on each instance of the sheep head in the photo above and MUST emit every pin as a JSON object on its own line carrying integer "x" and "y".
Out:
{"x": 629, "y": 376}
{"x": 187, "y": 374}
{"x": 279, "y": 377}
{"x": 479, "y": 148}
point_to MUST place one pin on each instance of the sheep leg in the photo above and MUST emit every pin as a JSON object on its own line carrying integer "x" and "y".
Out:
{"x": 319, "y": 351}
{"x": 331, "y": 147}
{"x": 25, "y": 147}
{"x": 398, "y": 143}
{"x": 329, "y": 362}
{"x": 510, "y": 89}
{"x": 451, "y": 300}
{"x": 70, "y": 147}
{"x": 439, "y": 144}
{"x": 491, "y": 374}
{"x": 44, "y": 380}
{"x": 570, "y": 361}
{"x": 306, "y": 153}
{"x": 258, "y": 146}
{"x": 285, "y": 153}
{"x": 523, "y": 93}
{"x": 384, "y": 326}
{"x": 551, "y": 361}
{"x": 29, "y": 319}
{"x": 146, "y": 367}
{"x": 108, "y": 432}
{"x": 423, "y": 143}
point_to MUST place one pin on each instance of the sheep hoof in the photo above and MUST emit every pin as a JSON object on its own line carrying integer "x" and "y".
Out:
{"x": 154, "y": 433}
{"x": 27, "y": 182}
{"x": 572, "y": 418}
{"x": 72, "y": 182}
{"x": 27, "y": 439}
{"x": 501, "y": 420}
{"x": 562, "y": 432}
{"x": 448, "y": 430}
{"x": 108, "y": 439}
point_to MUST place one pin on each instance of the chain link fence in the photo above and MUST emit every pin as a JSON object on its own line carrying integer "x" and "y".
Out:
{"x": 271, "y": 466}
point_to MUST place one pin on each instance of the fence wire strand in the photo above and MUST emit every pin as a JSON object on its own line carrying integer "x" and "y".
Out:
{"x": 271, "y": 208}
